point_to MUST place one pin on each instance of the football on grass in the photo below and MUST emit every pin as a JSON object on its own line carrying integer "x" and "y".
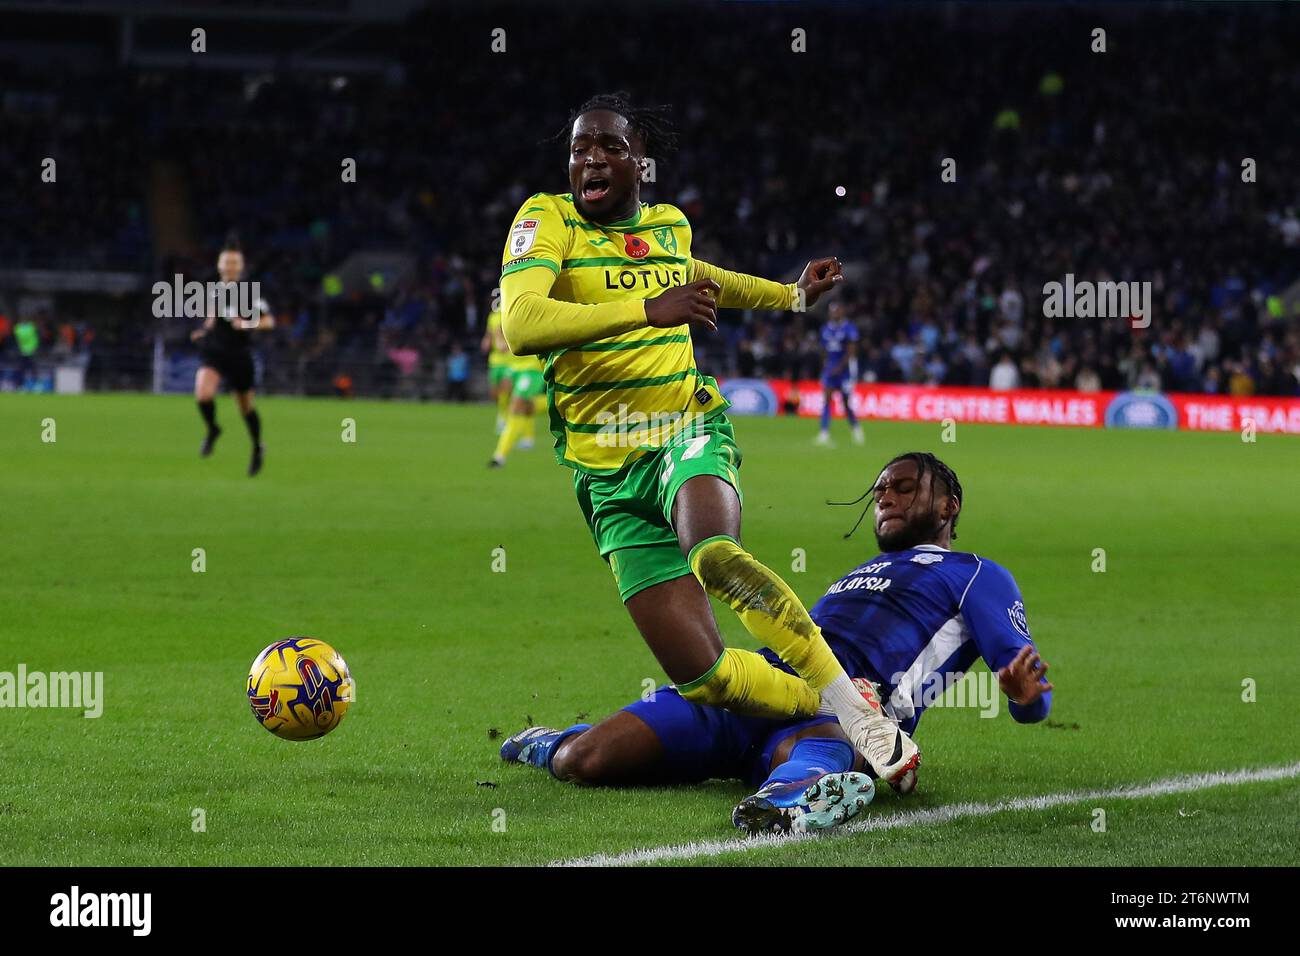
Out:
{"x": 300, "y": 688}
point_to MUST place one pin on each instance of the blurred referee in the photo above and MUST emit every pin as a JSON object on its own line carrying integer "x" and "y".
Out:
{"x": 226, "y": 353}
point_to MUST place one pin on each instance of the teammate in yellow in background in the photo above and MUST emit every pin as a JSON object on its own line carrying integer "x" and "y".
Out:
{"x": 494, "y": 346}
{"x": 605, "y": 289}
{"x": 524, "y": 375}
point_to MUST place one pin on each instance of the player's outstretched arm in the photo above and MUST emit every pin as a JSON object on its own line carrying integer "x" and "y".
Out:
{"x": 535, "y": 323}
{"x": 740, "y": 291}
{"x": 994, "y": 613}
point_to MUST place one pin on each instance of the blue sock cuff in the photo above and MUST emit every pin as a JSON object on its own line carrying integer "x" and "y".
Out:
{"x": 834, "y": 755}
{"x": 560, "y": 738}
{"x": 812, "y": 757}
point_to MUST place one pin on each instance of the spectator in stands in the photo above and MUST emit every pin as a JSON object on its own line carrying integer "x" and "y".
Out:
{"x": 457, "y": 374}
{"x": 1148, "y": 379}
{"x": 1239, "y": 380}
{"x": 1077, "y": 180}
{"x": 1004, "y": 376}
{"x": 28, "y": 339}
{"x": 406, "y": 357}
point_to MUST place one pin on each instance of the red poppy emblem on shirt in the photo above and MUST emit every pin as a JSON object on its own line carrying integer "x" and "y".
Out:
{"x": 635, "y": 246}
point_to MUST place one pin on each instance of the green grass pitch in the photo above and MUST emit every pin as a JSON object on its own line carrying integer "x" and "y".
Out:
{"x": 385, "y": 547}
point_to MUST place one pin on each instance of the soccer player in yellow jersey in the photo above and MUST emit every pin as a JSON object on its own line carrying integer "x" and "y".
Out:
{"x": 605, "y": 290}
{"x": 494, "y": 346}
{"x": 526, "y": 383}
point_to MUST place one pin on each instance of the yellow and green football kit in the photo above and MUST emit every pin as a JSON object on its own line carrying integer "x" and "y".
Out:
{"x": 498, "y": 368}
{"x": 527, "y": 380}
{"x": 526, "y": 384}
{"x": 574, "y": 292}
{"x": 635, "y": 418}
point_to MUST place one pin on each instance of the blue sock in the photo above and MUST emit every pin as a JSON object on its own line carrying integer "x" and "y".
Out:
{"x": 848, "y": 410}
{"x": 811, "y": 758}
{"x": 537, "y": 745}
{"x": 826, "y": 416}
{"x": 560, "y": 738}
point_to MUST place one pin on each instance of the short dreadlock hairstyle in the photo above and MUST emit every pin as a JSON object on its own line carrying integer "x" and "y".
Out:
{"x": 925, "y": 463}
{"x": 650, "y": 123}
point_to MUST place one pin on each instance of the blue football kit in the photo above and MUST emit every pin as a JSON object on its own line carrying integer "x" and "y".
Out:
{"x": 912, "y": 622}
{"x": 836, "y": 337}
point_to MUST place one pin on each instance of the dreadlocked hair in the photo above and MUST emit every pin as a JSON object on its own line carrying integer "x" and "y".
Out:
{"x": 650, "y": 123}
{"x": 925, "y": 462}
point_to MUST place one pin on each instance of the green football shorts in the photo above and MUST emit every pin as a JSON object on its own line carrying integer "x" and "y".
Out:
{"x": 497, "y": 374}
{"x": 527, "y": 383}
{"x": 629, "y": 512}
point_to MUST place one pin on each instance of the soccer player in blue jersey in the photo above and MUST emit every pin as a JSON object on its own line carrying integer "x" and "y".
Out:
{"x": 840, "y": 341}
{"x": 900, "y": 624}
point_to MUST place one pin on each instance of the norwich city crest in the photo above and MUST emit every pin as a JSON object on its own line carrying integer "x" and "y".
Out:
{"x": 664, "y": 235}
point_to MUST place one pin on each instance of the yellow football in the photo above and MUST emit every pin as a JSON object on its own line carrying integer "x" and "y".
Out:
{"x": 300, "y": 688}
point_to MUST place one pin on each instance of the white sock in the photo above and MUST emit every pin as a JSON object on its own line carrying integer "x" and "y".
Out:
{"x": 846, "y": 701}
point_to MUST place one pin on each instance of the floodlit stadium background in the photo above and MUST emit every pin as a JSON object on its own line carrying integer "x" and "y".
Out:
{"x": 1122, "y": 166}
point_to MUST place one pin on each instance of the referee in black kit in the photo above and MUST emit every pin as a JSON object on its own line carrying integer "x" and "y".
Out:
{"x": 226, "y": 354}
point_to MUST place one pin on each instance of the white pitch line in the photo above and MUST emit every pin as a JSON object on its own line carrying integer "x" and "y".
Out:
{"x": 944, "y": 814}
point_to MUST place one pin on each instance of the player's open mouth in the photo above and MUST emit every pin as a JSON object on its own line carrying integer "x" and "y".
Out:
{"x": 595, "y": 189}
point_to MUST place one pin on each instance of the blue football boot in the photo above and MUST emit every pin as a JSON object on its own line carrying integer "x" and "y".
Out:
{"x": 531, "y": 746}
{"x": 828, "y": 801}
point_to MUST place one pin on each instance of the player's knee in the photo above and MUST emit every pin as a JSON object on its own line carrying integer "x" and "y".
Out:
{"x": 583, "y": 760}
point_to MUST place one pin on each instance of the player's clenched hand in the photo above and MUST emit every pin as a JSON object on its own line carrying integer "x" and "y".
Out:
{"x": 819, "y": 277}
{"x": 695, "y": 302}
{"x": 1021, "y": 680}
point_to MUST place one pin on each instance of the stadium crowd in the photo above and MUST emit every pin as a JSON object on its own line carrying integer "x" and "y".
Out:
{"x": 1124, "y": 165}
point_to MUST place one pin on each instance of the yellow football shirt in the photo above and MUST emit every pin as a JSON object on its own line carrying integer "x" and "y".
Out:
{"x": 613, "y": 398}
